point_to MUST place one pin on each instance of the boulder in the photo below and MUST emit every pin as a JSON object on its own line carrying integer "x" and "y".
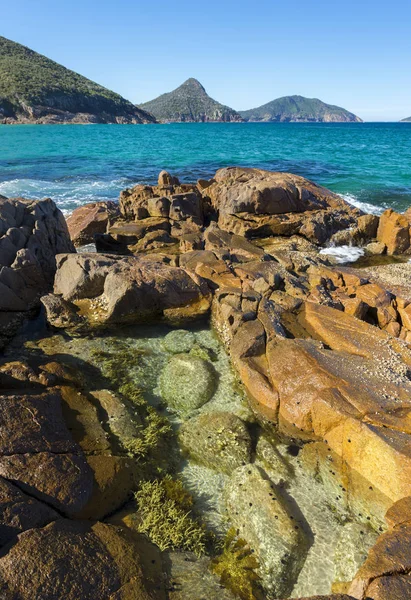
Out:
{"x": 187, "y": 382}
{"x": 267, "y": 522}
{"x": 218, "y": 440}
{"x": 394, "y": 232}
{"x": 258, "y": 203}
{"x": 89, "y": 219}
{"x": 104, "y": 289}
{"x": 32, "y": 232}
{"x": 75, "y": 560}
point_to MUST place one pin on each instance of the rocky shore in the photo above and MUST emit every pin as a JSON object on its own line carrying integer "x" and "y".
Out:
{"x": 168, "y": 464}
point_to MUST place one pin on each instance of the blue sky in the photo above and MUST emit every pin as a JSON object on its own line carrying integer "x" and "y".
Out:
{"x": 354, "y": 54}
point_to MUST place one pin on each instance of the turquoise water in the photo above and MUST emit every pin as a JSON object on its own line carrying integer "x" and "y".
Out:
{"x": 369, "y": 163}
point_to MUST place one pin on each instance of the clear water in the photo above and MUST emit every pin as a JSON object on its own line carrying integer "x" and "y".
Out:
{"x": 369, "y": 163}
{"x": 326, "y": 530}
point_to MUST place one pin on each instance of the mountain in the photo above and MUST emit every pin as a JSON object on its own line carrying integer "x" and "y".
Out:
{"x": 299, "y": 109}
{"x": 35, "y": 89}
{"x": 189, "y": 103}
{"x": 406, "y": 120}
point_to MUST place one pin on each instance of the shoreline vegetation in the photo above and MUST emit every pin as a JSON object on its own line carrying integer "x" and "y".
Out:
{"x": 207, "y": 404}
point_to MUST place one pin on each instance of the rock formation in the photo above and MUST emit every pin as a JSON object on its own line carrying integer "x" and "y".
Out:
{"x": 31, "y": 234}
{"x": 323, "y": 352}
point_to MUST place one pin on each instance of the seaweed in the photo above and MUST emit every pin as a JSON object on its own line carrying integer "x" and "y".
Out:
{"x": 236, "y": 567}
{"x": 156, "y": 430}
{"x": 166, "y": 517}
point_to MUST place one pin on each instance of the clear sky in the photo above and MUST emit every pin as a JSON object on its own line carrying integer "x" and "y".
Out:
{"x": 356, "y": 54}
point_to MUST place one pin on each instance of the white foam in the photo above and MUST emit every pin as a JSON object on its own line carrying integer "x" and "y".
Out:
{"x": 344, "y": 254}
{"x": 367, "y": 207}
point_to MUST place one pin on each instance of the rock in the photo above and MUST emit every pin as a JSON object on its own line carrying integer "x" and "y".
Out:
{"x": 330, "y": 597}
{"x": 175, "y": 201}
{"x": 399, "y": 513}
{"x": 191, "y": 577}
{"x": 272, "y": 460}
{"x": 218, "y": 440}
{"x": 263, "y": 518}
{"x": 165, "y": 179}
{"x": 257, "y": 203}
{"x": 63, "y": 481}
{"x": 33, "y": 423}
{"x": 89, "y": 219}
{"x": 115, "y": 479}
{"x": 375, "y": 248}
{"x": 79, "y": 559}
{"x": 32, "y": 232}
{"x": 361, "y": 234}
{"x": 191, "y": 241}
{"x": 231, "y": 247}
{"x": 351, "y": 550}
{"x": 186, "y": 383}
{"x": 20, "y": 512}
{"x": 104, "y": 289}
{"x": 394, "y": 232}
{"x": 179, "y": 341}
{"x": 384, "y": 574}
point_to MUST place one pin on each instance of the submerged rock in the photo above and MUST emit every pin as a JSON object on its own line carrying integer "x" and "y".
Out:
{"x": 187, "y": 382}
{"x": 190, "y": 577}
{"x": 351, "y": 550}
{"x": 264, "y": 519}
{"x": 218, "y": 440}
{"x": 179, "y": 341}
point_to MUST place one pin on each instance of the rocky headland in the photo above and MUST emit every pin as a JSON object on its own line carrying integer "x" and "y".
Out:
{"x": 35, "y": 89}
{"x": 146, "y": 456}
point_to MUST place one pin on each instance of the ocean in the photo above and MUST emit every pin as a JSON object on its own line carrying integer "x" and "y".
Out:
{"x": 368, "y": 163}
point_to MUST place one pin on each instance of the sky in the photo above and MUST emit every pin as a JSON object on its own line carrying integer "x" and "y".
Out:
{"x": 353, "y": 54}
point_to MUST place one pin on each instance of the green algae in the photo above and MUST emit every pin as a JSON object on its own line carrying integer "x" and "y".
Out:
{"x": 237, "y": 567}
{"x": 166, "y": 517}
{"x": 156, "y": 431}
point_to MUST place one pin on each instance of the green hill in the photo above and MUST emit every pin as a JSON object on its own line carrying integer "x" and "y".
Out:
{"x": 35, "y": 89}
{"x": 189, "y": 103}
{"x": 299, "y": 109}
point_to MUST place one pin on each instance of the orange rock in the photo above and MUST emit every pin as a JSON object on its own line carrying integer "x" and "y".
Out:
{"x": 394, "y": 232}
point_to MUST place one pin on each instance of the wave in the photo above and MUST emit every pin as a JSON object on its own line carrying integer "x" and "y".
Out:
{"x": 68, "y": 193}
{"x": 343, "y": 254}
{"x": 367, "y": 207}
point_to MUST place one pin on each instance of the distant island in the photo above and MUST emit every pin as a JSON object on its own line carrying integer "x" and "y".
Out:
{"x": 189, "y": 103}
{"x": 299, "y": 109}
{"x": 35, "y": 89}
{"x": 408, "y": 120}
